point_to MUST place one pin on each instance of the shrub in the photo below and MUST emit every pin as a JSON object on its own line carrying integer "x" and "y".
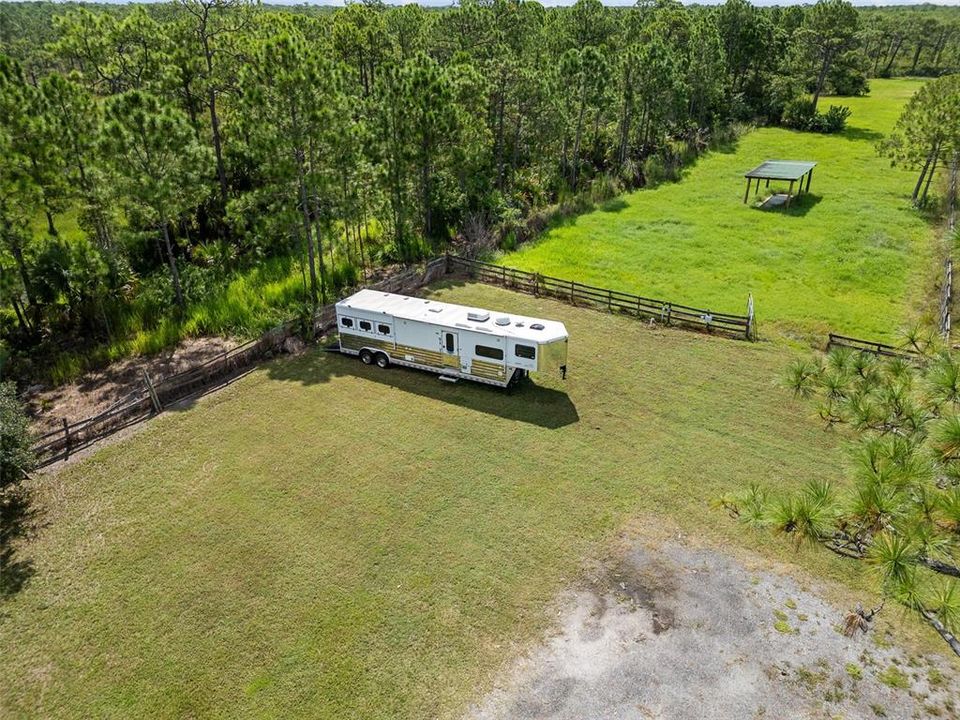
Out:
{"x": 833, "y": 121}
{"x": 799, "y": 113}
{"x": 16, "y": 457}
{"x": 654, "y": 171}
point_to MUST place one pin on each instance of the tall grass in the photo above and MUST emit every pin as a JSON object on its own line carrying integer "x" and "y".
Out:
{"x": 242, "y": 305}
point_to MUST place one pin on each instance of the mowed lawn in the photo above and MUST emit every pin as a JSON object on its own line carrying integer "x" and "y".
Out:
{"x": 850, "y": 258}
{"x": 324, "y": 539}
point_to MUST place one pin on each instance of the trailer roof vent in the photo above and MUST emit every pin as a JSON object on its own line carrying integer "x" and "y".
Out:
{"x": 502, "y": 321}
{"x": 536, "y": 326}
{"x": 478, "y": 315}
{"x": 434, "y": 309}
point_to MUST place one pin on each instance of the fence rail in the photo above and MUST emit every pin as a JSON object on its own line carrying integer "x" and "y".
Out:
{"x": 869, "y": 346}
{"x": 156, "y": 394}
{"x": 668, "y": 313}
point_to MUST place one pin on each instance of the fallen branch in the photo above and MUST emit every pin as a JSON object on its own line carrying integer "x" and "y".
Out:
{"x": 948, "y": 636}
{"x": 940, "y": 567}
{"x": 859, "y": 619}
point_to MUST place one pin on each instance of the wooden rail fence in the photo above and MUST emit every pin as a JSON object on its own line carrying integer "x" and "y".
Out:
{"x": 615, "y": 301}
{"x": 869, "y": 346}
{"x": 156, "y": 394}
{"x": 946, "y": 299}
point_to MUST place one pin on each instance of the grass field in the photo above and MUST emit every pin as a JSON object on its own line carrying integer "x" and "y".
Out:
{"x": 325, "y": 539}
{"x": 849, "y": 258}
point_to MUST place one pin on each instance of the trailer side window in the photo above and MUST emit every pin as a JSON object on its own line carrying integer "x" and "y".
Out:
{"x": 528, "y": 352}
{"x": 489, "y": 352}
{"x": 346, "y": 322}
{"x": 383, "y": 329}
{"x": 365, "y": 325}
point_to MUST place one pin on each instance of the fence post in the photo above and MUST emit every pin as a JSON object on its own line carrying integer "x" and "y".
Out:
{"x": 446, "y": 265}
{"x": 66, "y": 439}
{"x": 750, "y": 328}
{"x": 536, "y": 284}
{"x": 571, "y": 294}
{"x": 946, "y": 299}
{"x": 152, "y": 392}
{"x": 610, "y": 301}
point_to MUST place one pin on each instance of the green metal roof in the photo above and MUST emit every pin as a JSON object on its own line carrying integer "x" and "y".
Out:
{"x": 781, "y": 170}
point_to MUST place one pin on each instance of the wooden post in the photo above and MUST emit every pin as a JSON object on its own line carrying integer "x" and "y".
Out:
{"x": 571, "y": 294}
{"x": 609, "y": 300}
{"x": 66, "y": 439}
{"x": 152, "y": 392}
{"x": 503, "y": 275}
{"x": 749, "y": 316}
{"x": 790, "y": 194}
{"x": 809, "y": 178}
{"x": 746, "y": 195}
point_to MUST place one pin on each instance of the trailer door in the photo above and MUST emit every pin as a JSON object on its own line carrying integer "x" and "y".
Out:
{"x": 450, "y": 349}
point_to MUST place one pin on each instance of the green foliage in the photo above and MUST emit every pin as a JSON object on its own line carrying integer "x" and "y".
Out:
{"x": 253, "y": 470}
{"x": 901, "y": 514}
{"x": 835, "y": 267}
{"x": 16, "y": 457}
{"x": 234, "y": 132}
{"x": 927, "y": 132}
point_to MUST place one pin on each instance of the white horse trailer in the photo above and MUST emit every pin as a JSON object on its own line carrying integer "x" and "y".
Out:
{"x": 452, "y": 340}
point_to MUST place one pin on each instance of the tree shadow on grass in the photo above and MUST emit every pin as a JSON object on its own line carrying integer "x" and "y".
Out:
{"x": 856, "y": 133}
{"x": 528, "y": 402}
{"x": 18, "y": 521}
{"x": 614, "y": 206}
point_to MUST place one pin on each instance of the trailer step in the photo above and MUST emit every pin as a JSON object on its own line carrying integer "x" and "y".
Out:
{"x": 449, "y": 378}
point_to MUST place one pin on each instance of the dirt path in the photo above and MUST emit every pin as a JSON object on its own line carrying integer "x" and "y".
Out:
{"x": 692, "y": 633}
{"x": 96, "y": 391}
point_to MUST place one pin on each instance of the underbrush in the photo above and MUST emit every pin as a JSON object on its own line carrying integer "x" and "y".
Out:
{"x": 241, "y": 305}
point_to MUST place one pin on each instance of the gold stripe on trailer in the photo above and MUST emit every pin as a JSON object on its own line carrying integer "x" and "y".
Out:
{"x": 419, "y": 355}
{"x": 358, "y": 342}
{"x": 487, "y": 369}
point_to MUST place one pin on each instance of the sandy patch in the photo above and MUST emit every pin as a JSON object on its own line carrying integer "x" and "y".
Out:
{"x": 678, "y": 632}
{"x": 97, "y": 391}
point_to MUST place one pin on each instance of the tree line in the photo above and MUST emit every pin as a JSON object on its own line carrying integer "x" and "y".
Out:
{"x": 180, "y": 144}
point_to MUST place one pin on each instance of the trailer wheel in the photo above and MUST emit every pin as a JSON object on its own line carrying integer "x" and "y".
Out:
{"x": 366, "y": 357}
{"x": 383, "y": 362}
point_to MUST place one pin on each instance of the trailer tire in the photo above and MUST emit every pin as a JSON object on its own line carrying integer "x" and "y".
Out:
{"x": 383, "y": 362}
{"x": 366, "y": 357}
